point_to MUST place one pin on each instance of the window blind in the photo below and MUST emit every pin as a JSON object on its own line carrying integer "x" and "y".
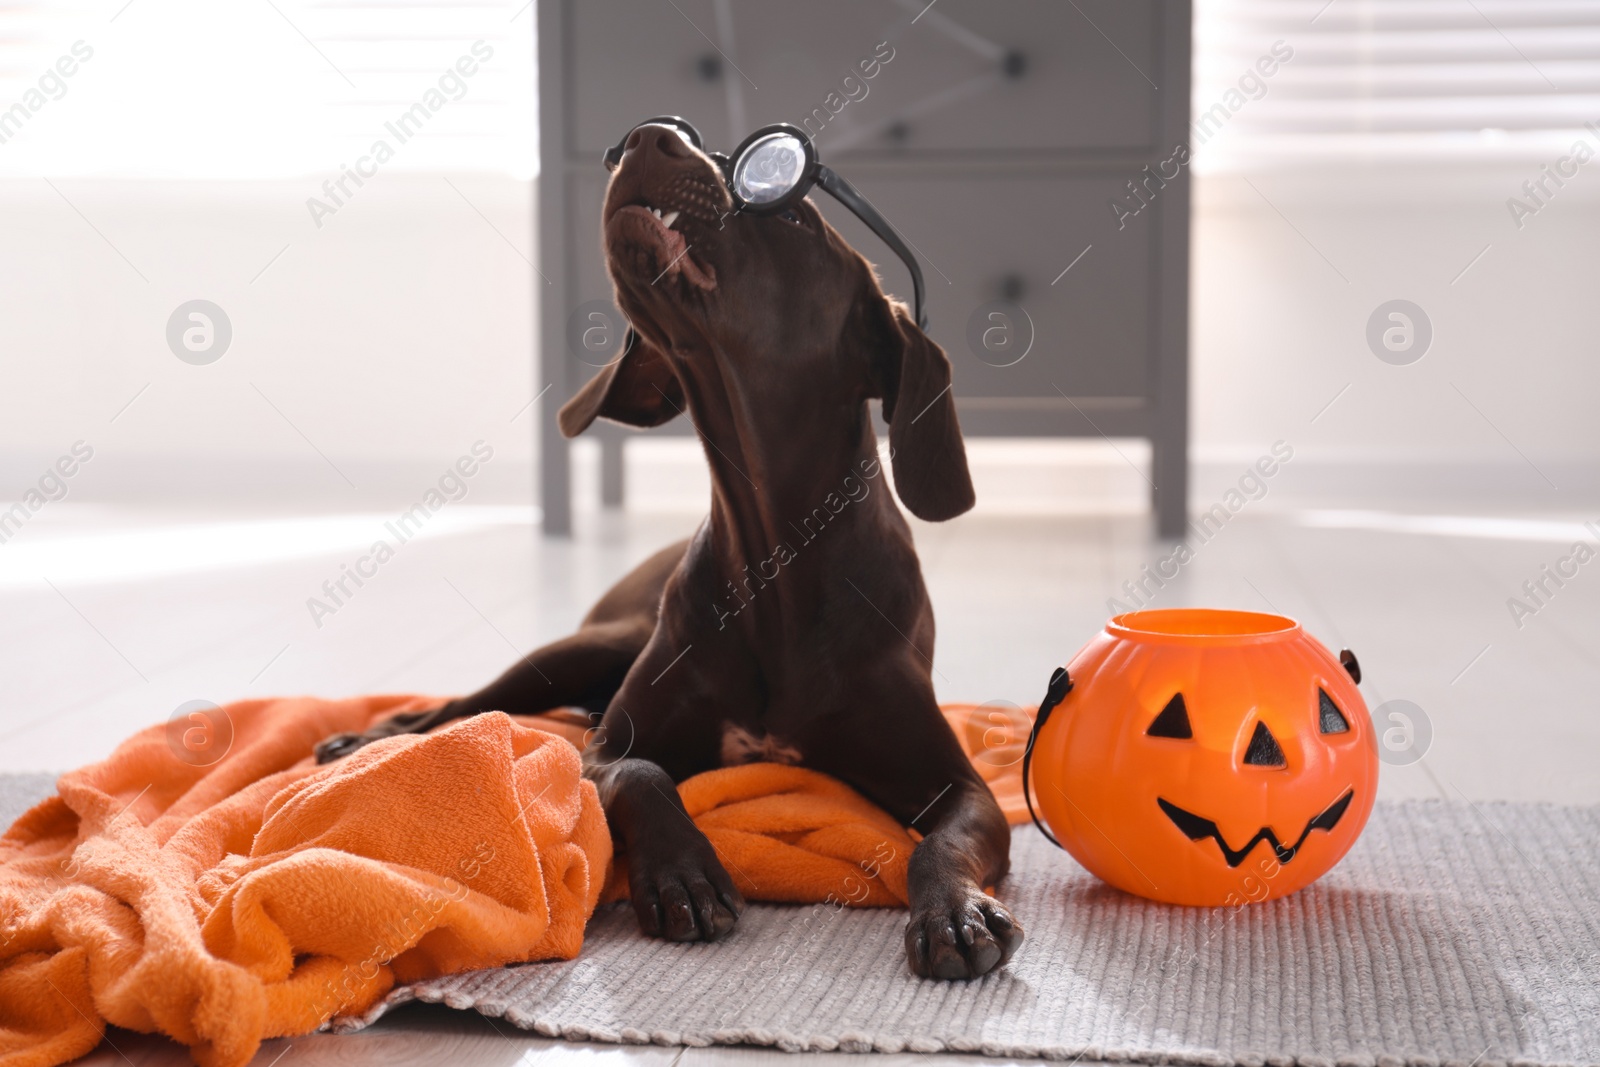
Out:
{"x": 1428, "y": 80}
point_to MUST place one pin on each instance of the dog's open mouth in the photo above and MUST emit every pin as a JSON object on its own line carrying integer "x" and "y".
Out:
{"x": 1198, "y": 828}
{"x": 662, "y": 252}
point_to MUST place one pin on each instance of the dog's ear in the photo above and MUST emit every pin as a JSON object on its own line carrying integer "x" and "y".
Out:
{"x": 639, "y": 389}
{"x": 912, "y": 376}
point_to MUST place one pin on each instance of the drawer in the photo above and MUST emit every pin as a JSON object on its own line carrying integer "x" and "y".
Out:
{"x": 627, "y": 61}
{"x": 1091, "y": 329}
{"x": 943, "y": 92}
{"x": 940, "y": 93}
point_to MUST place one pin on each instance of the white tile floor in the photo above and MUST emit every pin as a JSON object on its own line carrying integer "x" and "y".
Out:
{"x": 102, "y": 632}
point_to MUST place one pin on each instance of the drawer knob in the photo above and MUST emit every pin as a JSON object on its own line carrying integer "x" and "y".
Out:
{"x": 1014, "y": 64}
{"x": 1012, "y": 286}
{"x": 709, "y": 67}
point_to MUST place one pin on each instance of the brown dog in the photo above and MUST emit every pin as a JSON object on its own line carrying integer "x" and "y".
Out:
{"x": 794, "y": 626}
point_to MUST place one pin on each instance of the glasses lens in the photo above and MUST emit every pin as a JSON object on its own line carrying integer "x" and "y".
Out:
{"x": 769, "y": 169}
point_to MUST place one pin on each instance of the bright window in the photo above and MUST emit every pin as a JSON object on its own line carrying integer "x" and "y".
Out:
{"x": 252, "y": 89}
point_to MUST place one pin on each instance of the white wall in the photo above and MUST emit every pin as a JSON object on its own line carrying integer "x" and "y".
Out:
{"x": 391, "y": 338}
{"x": 1278, "y": 333}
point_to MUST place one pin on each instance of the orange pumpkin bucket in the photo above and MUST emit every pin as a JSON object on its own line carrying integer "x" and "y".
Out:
{"x": 1204, "y": 757}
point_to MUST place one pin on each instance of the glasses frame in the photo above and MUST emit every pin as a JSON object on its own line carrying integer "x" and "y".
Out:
{"x": 814, "y": 173}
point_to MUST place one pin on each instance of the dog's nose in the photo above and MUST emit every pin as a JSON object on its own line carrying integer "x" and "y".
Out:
{"x": 662, "y": 139}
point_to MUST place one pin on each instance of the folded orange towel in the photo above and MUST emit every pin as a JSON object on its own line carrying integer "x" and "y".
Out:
{"x": 793, "y": 836}
{"x": 260, "y": 895}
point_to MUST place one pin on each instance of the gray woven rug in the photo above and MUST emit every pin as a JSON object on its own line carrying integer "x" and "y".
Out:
{"x": 1453, "y": 934}
{"x": 19, "y": 792}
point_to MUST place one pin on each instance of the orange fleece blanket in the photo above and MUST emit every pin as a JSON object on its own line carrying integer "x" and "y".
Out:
{"x": 260, "y": 895}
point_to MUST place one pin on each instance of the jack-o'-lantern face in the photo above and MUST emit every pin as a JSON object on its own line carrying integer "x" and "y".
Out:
{"x": 1206, "y": 757}
{"x": 1262, "y": 750}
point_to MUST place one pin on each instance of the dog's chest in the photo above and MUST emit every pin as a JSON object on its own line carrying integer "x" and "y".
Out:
{"x": 740, "y": 745}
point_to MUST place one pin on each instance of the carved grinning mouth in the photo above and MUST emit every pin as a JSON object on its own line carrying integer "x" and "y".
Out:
{"x": 1196, "y": 828}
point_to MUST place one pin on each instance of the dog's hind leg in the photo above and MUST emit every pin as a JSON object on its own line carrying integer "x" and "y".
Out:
{"x": 582, "y": 670}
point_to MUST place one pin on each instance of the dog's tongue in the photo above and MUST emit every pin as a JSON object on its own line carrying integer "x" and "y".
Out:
{"x": 640, "y": 226}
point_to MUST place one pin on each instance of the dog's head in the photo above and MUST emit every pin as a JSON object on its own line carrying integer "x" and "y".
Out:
{"x": 766, "y": 325}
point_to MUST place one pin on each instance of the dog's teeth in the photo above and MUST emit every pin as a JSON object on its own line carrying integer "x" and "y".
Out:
{"x": 668, "y": 219}
{"x": 656, "y": 212}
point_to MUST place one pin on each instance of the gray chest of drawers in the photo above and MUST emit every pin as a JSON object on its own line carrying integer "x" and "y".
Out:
{"x": 1006, "y": 140}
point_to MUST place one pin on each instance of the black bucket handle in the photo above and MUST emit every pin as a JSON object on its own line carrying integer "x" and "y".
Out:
{"x": 1060, "y": 686}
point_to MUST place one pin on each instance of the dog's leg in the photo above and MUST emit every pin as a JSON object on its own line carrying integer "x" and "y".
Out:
{"x": 956, "y": 929}
{"x": 652, "y": 737}
{"x": 582, "y": 670}
{"x": 679, "y": 889}
{"x": 924, "y": 779}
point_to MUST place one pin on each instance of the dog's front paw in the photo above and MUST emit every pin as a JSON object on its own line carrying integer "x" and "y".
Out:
{"x": 965, "y": 938}
{"x": 683, "y": 893}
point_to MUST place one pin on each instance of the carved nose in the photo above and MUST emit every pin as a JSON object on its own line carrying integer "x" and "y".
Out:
{"x": 1264, "y": 750}
{"x": 662, "y": 139}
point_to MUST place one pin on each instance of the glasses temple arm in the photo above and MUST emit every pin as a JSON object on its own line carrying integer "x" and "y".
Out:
{"x": 846, "y": 194}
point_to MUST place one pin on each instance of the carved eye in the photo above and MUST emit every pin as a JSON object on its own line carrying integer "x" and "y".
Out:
{"x": 1173, "y": 721}
{"x": 1329, "y": 717}
{"x": 1263, "y": 750}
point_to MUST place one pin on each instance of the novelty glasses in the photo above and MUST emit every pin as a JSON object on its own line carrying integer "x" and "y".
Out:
{"x": 772, "y": 170}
